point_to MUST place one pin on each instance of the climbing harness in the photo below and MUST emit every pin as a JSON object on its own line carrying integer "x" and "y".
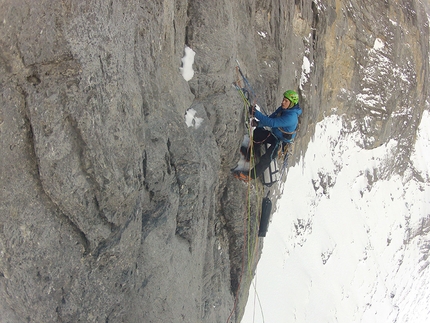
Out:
{"x": 287, "y": 135}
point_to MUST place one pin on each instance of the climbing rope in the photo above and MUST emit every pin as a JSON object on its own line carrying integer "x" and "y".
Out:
{"x": 251, "y": 242}
{"x": 283, "y": 156}
{"x": 256, "y": 297}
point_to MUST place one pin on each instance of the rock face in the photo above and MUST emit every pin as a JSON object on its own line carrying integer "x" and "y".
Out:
{"x": 112, "y": 209}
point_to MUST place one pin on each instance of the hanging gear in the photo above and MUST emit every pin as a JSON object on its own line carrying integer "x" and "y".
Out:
{"x": 266, "y": 209}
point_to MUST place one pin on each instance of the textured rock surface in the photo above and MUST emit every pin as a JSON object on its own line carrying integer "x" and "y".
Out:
{"x": 112, "y": 209}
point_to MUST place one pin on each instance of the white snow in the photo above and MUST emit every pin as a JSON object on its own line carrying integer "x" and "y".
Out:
{"x": 262, "y": 34}
{"x": 393, "y": 22}
{"x": 187, "y": 71}
{"x": 192, "y": 120}
{"x": 344, "y": 246}
{"x": 421, "y": 154}
{"x": 378, "y": 44}
{"x": 306, "y": 69}
{"x": 187, "y": 64}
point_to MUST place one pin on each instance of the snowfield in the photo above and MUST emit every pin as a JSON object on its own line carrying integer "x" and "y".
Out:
{"x": 344, "y": 245}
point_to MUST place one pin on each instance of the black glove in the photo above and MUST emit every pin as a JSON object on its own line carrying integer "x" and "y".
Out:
{"x": 251, "y": 110}
{"x": 254, "y": 123}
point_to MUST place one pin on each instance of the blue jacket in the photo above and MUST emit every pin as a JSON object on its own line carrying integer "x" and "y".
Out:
{"x": 285, "y": 119}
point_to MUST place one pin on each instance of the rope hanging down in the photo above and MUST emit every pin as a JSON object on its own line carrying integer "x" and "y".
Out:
{"x": 250, "y": 247}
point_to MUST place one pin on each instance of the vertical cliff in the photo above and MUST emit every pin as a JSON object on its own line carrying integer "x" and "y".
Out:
{"x": 112, "y": 208}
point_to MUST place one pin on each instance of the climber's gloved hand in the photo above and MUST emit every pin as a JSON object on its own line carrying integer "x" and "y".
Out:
{"x": 254, "y": 123}
{"x": 251, "y": 110}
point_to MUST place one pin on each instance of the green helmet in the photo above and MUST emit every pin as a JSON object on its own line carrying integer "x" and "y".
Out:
{"x": 292, "y": 96}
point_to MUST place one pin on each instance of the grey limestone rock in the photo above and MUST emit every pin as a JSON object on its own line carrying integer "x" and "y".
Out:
{"x": 112, "y": 209}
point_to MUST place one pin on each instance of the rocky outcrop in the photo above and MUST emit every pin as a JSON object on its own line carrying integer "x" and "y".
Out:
{"x": 112, "y": 208}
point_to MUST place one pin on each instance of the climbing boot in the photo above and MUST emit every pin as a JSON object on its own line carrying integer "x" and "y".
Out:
{"x": 245, "y": 152}
{"x": 242, "y": 176}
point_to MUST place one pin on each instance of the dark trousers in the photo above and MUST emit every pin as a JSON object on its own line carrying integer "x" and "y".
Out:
{"x": 262, "y": 136}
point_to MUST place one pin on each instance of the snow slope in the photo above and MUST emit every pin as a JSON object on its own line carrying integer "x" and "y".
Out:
{"x": 343, "y": 245}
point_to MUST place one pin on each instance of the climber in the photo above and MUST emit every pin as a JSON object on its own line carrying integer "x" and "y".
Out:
{"x": 283, "y": 123}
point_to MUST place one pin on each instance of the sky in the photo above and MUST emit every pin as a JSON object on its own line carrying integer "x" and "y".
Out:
{"x": 340, "y": 246}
